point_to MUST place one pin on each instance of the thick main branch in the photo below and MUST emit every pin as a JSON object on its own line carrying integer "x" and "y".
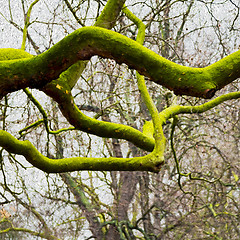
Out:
{"x": 86, "y": 42}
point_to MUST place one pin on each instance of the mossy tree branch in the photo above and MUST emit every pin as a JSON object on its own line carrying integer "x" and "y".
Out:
{"x": 62, "y": 94}
{"x": 150, "y": 162}
{"x": 82, "y": 45}
{"x": 27, "y": 23}
{"x": 110, "y": 13}
{"x": 86, "y": 42}
{"x": 157, "y": 121}
{"x": 60, "y": 91}
{"x": 33, "y": 156}
{"x": 176, "y": 110}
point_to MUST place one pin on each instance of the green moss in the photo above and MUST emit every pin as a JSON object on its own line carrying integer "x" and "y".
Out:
{"x": 11, "y": 54}
{"x": 148, "y": 129}
{"x": 147, "y": 163}
{"x": 110, "y": 13}
{"x": 89, "y": 41}
{"x": 60, "y": 92}
{"x": 225, "y": 70}
{"x": 177, "y": 109}
{"x": 82, "y": 44}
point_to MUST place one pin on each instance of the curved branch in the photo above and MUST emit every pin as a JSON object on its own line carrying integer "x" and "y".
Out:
{"x": 109, "y": 14}
{"x": 175, "y": 110}
{"x": 178, "y": 109}
{"x": 82, "y": 44}
{"x": 60, "y": 92}
{"x": 151, "y": 162}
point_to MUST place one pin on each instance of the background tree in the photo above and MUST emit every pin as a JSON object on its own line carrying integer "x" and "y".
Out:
{"x": 196, "y": 193}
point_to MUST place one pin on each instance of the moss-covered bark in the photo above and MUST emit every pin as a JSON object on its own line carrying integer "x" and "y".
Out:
{"x": 110, "y": 13}
{"x": 89, "y": 41}
{"x": 151, "y": 162}
{"x": 46, "y": 71}
{"x": 60, "y": 90}
{"x": 175, "y": 110}
{"x": 61, "y": 94}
